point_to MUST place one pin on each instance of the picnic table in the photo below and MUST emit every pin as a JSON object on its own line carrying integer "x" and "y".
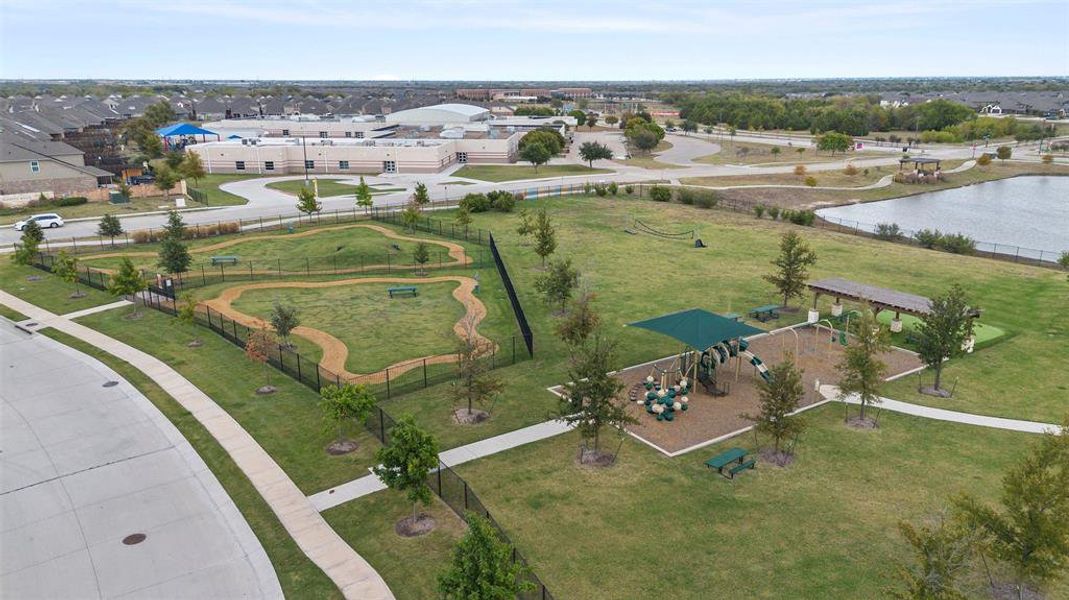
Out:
{"x": 765, "y": 313}
{"x": 224, "y": 260}
{"x": 407, "y": 290}
{"x": 733, "y": 455}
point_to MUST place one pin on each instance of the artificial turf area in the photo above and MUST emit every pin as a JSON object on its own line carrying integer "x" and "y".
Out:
{"x": 499, "y": 173}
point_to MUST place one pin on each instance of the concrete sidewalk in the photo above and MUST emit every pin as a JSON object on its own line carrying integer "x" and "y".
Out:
{"x": 347, "y": 569}
{"x": 87, "y": 461}
{"x": 370, "y": 484}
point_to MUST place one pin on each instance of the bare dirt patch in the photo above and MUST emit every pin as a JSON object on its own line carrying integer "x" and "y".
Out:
{"x": 779, "y": 459}
{"x": 857, "y": 422}
{"x": 340, "y": 447}
{"x": 588, "y": 457}
{"x": 473, "y": 417}
{"x": 931, "y": 391}
{"x": 265, "y": 390}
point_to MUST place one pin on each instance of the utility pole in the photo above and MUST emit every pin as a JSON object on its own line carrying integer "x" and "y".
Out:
{"x": 304, "y": 150}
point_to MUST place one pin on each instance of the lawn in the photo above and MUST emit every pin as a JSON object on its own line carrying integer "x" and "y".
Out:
{"x": 46, "y": 290}
{"x": 288, "y": 424}
{"x": 831, "y": 178}
{"x": 649, "y": 160}
{"x": 378, "y": 331}
{"x": 750, "y": 153}
{"x": 410, "y": 566}
{"x": 298, "y": 576}
{"x": 209, "y": 185}
{"x": 342, "y": 245}
{"x": 330, "y": 188}
{"x": 826, "y": 527}
{"x": 499, "y": 173}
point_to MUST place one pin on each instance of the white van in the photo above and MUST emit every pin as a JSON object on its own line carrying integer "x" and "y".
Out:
{"x": 46, "y": 220}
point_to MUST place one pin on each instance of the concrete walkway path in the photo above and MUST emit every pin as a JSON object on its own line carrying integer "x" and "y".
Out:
{"x": 92, "y": 310}
{"x": 831, "y": 392}
{"x": 87, "y": 461}
{"x": 370, "y": 484}
{"x": 347, "y": 569}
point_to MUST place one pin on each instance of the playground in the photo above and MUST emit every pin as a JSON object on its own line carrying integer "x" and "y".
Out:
{"x": 726, "y": 388}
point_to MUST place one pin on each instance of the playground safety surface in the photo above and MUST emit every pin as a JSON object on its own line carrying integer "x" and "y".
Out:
{"x": 710, "y": 417}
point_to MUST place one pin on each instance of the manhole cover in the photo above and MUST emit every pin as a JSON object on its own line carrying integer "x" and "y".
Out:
{"x": 111, "y": 383}
{"x": 133, "y": 538}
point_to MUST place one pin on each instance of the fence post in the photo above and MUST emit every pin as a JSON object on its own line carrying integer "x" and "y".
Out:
{"x": 387, "y": 383}
{"x": 424, "y": 372}
{"x": 319, "y": 381}
{"x": 382, "y": 426}
{"x": 465, "y": 494}
{"x": 298, "y": 366}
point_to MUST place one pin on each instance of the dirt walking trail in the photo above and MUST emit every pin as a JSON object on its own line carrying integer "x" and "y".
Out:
{"x": 456, "y": 251}
{"x": 335, "y": 352}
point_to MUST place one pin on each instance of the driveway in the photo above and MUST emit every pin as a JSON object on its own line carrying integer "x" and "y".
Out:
{"x": 87, "y": 467}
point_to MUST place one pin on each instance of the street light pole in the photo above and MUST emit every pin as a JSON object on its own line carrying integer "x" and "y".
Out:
{"x": 304, "y": 150}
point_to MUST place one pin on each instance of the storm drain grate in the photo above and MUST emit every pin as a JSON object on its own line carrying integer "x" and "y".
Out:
{"x": 134, "y": 538}
{"x": 111, "y": 383}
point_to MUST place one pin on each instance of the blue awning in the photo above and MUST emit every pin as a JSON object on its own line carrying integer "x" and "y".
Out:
{"x": 182, "y": 129}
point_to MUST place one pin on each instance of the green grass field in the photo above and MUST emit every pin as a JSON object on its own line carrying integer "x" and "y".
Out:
{"x": 750, "y": 153}
{"x": 499, "y": 173}
{"x": 46, "y": 290}
{"x": 209, "y": 185}
{"x": 288, "y": 424}
{"x": 378, "y": 331}
{"x": 656, "y": 527}
{"x": 297, "y": 574}
{"x": 330, "y": 188}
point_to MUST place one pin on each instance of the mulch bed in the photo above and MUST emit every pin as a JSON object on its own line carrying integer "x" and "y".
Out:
{"x": 708, "y": 417}
{"x": 421, "y": 524}
{"x": 343, "y": 447}
{"x": 473, "y": 417}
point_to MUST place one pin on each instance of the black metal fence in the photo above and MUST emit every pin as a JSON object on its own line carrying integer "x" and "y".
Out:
{"x": 517, "y": 308}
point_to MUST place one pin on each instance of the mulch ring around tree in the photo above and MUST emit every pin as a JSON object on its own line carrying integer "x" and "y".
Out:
{"x": 779, "y": 459}
{"x": 473, "y": 417}
{"x": 265, "y": 390}
{"x": 588, "y": 457}
{"x": 421, "y": 524}
{"x": 195, "y": 344}
{"x": 76, "y": 295}
{"x": 340, "y": 447}
{"x": 859, "y": 423}
{"x": 931, "y": 391}
{"x": 134, "y": 316}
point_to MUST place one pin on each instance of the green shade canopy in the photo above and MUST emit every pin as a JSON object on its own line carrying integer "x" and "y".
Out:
{"x": 697, "y": 328}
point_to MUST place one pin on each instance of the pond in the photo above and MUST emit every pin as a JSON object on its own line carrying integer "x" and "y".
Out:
{"x": 1028, "y": 216}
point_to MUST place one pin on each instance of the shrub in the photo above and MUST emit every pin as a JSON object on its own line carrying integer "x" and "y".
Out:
{"x": 587, "y": 188}
{"x": 70, "y": 201}
{"x": 758, "y": 211}
{"x": 707, "y": 199}
{"x": 984, "y": 160}
{"x": 811, "y": 181}
{"x": 613, "y": 188}
{"x": 686, "y": 195}
{"x": 928, "y": 238}
{"x": 659, "y": 193}
{"x": 799, "y": 170}
{"x": 144, "y": 236}
{"x": 629, "y": 189}
{"x": 475, "y": 203}
{"x": 1048, "y": 158}
{"x": 601, "y": 190}
{"x": 958, "y": 243}
{"x": 800, "y": 217}
{"x": 501, "y": 200}
{"x": 773, "y": 212}
{"x": 888, "y": 231}
{"x": 850, "y": 170}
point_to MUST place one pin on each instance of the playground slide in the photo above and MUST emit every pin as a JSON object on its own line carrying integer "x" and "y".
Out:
{"x": 720, "y": 354}
{"x": 762, "y": 370}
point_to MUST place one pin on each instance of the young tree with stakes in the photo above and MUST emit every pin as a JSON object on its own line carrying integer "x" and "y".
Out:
{"x": 525, "y": 227}
{"x": 580, "y": 321}
{"x": 404, "y": 463}
{"x": 942, "y": 553}
{"x": 1030, "y": 531}
{"x": 861, "y": 369}
{"x": 944, "y": 331}
{"x": 482, "y": 566}
{"x": 780, "y": 396}
{"x": 410, "y": 216}
{"x": 558, "y": 284}
{"x": 284, "y": 319}
{"x": 545, "y": 236}
{"x": 344, "y": 405}
{"x": 29, "y": 242}
{"x": 463, "y": 217}
{"x": 363, "y": 195}
{"x": 421, "y": 254}
{"x": 589, "y": 400}
{"x": 110, "y": 227}
{"x": 475, "y": 384}
{"x": 186, "y": 314}
{"x": 65, "y": 267}
{"x": 258, "y": 347}
{"x": 127, "y": 281}
{"x": 792, "y": 266}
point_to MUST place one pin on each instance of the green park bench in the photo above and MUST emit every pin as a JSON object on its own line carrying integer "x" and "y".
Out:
{"x": 408, "y": 290}
{"x": 224, "y": 260}
{"x": 765, "y": 313}
{"x": 724, "y": 459}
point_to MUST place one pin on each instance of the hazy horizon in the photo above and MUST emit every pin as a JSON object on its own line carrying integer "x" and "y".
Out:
{"x": 479, "y": 40}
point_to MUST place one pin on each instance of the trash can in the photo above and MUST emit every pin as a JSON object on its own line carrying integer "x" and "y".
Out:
{"x": 117, "y": 198}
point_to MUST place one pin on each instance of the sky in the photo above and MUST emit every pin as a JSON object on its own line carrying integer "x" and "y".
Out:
{"x": 530, "y": 40}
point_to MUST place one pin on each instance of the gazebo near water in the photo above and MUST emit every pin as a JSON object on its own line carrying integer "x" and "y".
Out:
{"x": 923, "y": 170}
{"x": 877, "y": 297}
